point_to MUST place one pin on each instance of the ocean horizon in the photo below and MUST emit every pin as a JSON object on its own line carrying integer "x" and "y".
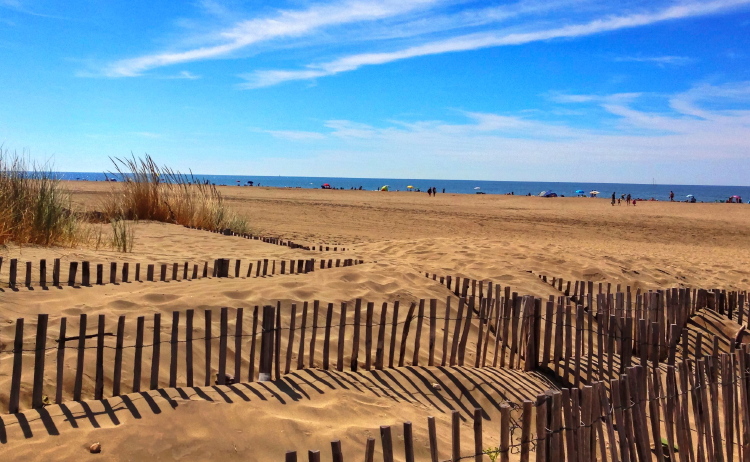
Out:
{"x": 702, "y": 193}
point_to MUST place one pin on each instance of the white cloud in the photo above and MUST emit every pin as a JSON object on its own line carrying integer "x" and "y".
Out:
{"x": 476, "y": 41}
{"x": 285, "y": 24}
{"x": 295, "y": 135}
{"x": 486, "y": 140}
{"x": 660, "y": 60}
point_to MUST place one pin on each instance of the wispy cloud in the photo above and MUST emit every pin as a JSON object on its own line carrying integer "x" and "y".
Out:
{"x": 516, "y": 141}
{"x": 476, "y": 41}
{"x": 183, "y": 75}
{"x": 660, "y": 60}
{"x": 285, "y": 24}
{"x": 22, "y": 7}
{"x": 295, "y": 135}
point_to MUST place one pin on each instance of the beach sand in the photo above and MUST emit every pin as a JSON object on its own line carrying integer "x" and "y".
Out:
{"x": 400, "y": 236}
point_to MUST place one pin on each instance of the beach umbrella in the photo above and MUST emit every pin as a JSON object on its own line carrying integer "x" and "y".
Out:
{"x": 579, "y": 191}
{"x": 594, "y": 193}
{"x": 384, "y": 188}
{"x": 477, "y": 187}
{"x": 410, "y": 187}
{"x": 689, "y": 195}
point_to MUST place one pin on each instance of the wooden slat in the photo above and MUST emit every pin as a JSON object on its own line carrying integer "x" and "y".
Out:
{"x": 354, "y": 363}
{"x": 380, "y": 348}
{"x": 314, "y": 332}
{"x": 79, "y": 363}
{"x": 60, "y": 361}
{"x": 55, "y": 273}
{"x": 189, "y": 347}
{"x": 394, "y": 325}
{"x": 542, "y": 438}
{"x": 238, "y": 344}
{"x": 504, "y": 447}
{"x": 267, "y": 343}
{"x": 117, "y": 377}
{"x": 341, "y": 338}
{"x": 418, "y": 334}
{"x": 433, "y": 442}
{"x": 39, "y": 356}
{"x": 155, "y": 352}
{"x": 99, "y": 377}
{"x": 433, "y": 332}
{"x": 290, "y": 342}
{"x": 140, "y": 325}
{"x": 405, "y": 334}
{"x": 408, "y": 442}
{"x": 174, "y": 343}
{"x": 327, "y": 337}
{"x": 15, "y": 383}
{"x": 42, "y": 272}
{"x": 207, "y": 345}
{"x": 302, "y": 332}
{"x": 480, "y": 331}
{"x": 457, "y": 332}
{"x": 526, "y": 430}
{"x": 446, "y": 327}
{"x": 385, "y": 438}
{"x": 223, "y": 331}
{"x": 455, "y": 436}
{"x": 277, "y": 343}
{"x": 368, "y": 335}
{"x": 466, "y": 329}
{"x": 253, "y": 336}
{"x": 478, "y": 446}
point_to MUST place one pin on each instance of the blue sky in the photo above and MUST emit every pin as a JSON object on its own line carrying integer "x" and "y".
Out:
{"x": 555, "y": 90}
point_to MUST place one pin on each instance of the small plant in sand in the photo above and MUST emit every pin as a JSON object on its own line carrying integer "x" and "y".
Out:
{"x": 149, "y": 192}
{"x": 492, "y": 453}
{"x": 123, "y": 235}
{"x": 34, "y": 206}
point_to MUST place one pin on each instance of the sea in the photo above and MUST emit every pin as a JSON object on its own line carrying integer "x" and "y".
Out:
{"x": 702, "y": 193}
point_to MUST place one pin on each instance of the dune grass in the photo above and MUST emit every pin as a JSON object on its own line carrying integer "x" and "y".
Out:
{"x": 123, "y": 235}
{"x": 35, "y": 208}
{"x": 149, "y": 192}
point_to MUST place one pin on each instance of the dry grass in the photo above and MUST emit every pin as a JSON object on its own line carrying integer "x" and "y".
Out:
{"x": 123, "y": 235}
{"x": 34, "y": 207}
{"x": 149, "y": 192}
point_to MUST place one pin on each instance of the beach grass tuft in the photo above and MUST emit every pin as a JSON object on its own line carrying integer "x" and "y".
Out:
{"x": 34, "y": 206}
{"x": 149, "y": 192}
{"x": 123, "y": 235}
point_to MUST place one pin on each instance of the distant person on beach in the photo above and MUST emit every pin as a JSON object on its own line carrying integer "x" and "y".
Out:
{"x": 613, "y": 199}
{"x": 671, "y": 196}
{"x": 443, "y": 190}
{"x": 627, "y": 199}
{"x": 429, "y": 192}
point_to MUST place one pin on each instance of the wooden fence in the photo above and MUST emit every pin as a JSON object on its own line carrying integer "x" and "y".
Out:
{"x": 693, "y": 411}
{"x": 79, "y": 274}
{"x": 619, "y": 354}
{"x": 327, "y": 337}
{"x": 277, "y": 241}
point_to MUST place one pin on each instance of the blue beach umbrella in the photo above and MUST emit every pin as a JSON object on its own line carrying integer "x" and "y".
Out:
{"x": 579, "y": 191}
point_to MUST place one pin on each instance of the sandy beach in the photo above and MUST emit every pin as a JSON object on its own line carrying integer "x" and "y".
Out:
{"x": 399, "y": 236}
